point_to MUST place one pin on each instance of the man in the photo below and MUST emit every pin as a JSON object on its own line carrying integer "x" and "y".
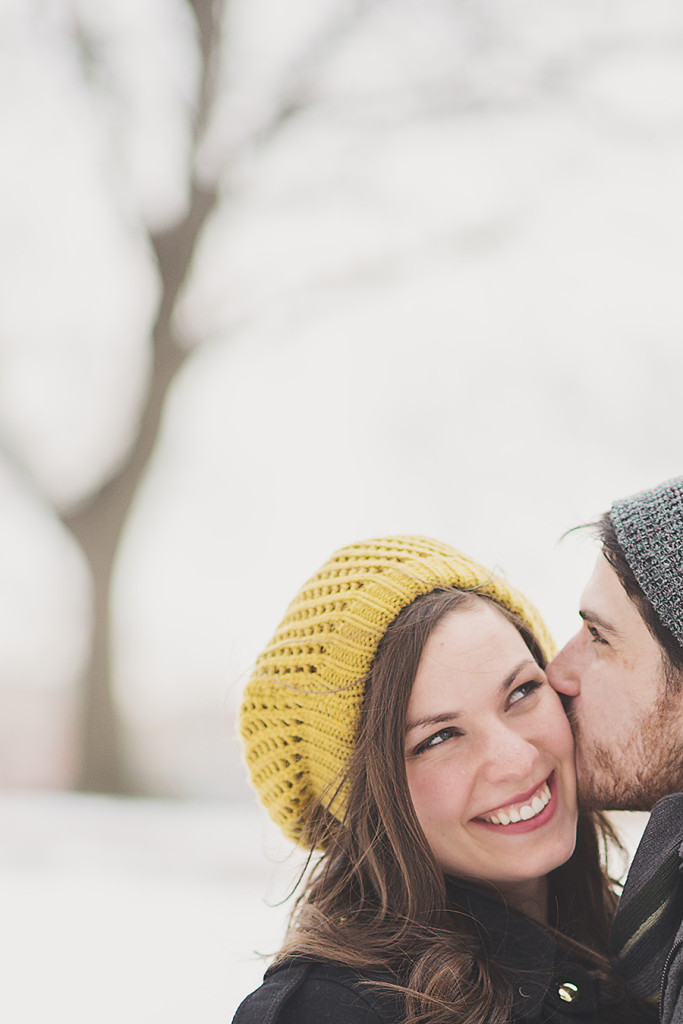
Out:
{"x": 622, "y": 675}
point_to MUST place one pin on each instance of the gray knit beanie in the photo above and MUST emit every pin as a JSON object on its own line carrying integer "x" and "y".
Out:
{"x": 649, "y": 528}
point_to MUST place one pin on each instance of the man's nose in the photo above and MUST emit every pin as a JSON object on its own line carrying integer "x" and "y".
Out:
{"x": 562, "y": 672}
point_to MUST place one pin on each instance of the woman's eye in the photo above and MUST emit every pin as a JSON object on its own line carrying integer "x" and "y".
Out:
{"x": 437, "y": 739}
{"x": 525, "y": 690}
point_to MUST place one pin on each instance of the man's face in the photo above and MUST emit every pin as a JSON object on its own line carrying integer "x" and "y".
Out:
{"x": 628, "y": 729}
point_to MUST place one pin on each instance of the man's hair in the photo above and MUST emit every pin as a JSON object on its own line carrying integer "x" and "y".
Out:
{"x": 672, "y": 652}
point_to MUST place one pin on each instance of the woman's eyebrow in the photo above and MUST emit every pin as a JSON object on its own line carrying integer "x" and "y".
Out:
{"x": 437, "y": 719}
{"x": 449, "y": 716}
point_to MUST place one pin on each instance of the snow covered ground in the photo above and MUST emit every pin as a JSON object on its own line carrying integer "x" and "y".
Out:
{"x": 136, "y": 911}
{"x": 147, "y": 912}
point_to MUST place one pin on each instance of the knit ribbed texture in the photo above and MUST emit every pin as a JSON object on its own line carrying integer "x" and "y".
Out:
{"x": 649, "y": 528}
{"x": 300, "y": 711}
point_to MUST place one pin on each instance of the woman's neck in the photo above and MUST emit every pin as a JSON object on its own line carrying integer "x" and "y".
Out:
{"x": 529, "y": 897}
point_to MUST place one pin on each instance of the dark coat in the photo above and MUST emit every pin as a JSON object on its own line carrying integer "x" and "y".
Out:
{"x": 647, "y": 934}
{"x": 547, "y": 988}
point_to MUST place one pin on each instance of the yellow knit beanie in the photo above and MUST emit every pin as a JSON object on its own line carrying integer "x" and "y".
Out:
{"x": 301, "y": 706}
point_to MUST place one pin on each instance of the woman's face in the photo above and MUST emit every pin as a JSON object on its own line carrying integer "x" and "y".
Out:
{"x": 489, "y": 754}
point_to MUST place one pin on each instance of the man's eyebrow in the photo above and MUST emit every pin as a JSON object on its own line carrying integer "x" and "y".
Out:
{"x": 588, "y": 615}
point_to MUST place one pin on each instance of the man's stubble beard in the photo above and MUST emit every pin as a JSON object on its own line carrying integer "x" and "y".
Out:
{"x": 638, "y": 771}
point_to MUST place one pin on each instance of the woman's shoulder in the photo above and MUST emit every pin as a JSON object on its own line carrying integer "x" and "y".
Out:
{"x": 310, "y": 992}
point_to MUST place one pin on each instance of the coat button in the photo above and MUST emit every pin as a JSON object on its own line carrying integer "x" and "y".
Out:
{"x": 568, "y": 992}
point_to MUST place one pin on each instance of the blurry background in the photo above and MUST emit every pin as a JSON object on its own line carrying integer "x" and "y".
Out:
{"x": 275, "y": 277}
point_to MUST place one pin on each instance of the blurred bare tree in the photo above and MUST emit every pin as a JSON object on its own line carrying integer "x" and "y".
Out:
{"x": 98, "y": 524}
{"x": 98, "y": 520}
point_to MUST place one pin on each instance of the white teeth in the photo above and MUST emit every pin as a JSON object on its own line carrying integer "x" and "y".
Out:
{"x": 525, "y": 812}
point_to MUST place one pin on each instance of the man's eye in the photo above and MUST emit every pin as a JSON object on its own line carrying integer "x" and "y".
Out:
{"x": 525, "y": 690}
{"x": 596, "y": 637}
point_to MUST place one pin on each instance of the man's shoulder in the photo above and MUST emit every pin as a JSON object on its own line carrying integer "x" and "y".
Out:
{"x": 669, "y": 808}
{"x": 647, "y": 930}
{"x": 308, "y": 992}
{"x": 661, "y": 840}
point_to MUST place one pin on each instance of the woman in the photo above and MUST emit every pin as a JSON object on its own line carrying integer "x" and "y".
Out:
{"x": 400, "y": 722}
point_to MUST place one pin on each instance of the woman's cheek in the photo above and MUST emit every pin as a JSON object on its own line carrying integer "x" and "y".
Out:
{"x": 558, "y": 730}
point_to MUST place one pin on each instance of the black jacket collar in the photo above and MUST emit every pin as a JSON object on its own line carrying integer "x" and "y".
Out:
{"x": 527, "y": 953}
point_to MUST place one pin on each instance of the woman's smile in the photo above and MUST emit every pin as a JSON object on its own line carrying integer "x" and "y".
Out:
{"x": 526, "y": 815}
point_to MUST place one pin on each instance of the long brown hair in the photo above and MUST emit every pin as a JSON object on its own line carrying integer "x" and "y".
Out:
{"x": 376, "y": 892}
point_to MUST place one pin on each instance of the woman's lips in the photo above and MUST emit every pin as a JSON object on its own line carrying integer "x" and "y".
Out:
{"x": 516, "y": 802}
{"x": 524, "y": 815}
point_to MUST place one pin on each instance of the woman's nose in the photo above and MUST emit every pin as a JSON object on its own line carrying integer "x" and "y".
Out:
{"x": 509, "y": 756}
